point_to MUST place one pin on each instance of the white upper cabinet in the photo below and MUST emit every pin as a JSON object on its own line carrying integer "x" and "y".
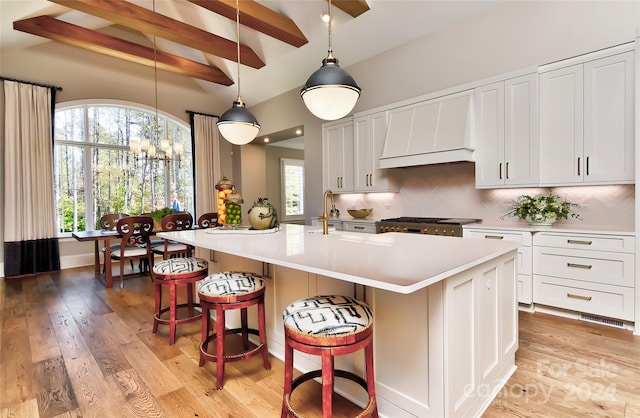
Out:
{"x": 507, "y": 153}
{"x": 337, "y": 156}
{"x": 587, "y": 122}
{"x": 370, "y": 131}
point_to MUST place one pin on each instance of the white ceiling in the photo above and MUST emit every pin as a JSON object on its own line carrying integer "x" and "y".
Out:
{"x": 388, "y": 24}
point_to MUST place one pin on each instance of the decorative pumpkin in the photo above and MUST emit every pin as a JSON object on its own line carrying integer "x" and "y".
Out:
{"x": 263, "y": 214}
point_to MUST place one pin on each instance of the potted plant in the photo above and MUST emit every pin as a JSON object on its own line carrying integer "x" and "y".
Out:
{"x": 541, "y": 210}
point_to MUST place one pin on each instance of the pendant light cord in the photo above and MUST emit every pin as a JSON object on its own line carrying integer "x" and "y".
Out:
{"x": 330, "y": 43}
{"x": 238, "y": 43}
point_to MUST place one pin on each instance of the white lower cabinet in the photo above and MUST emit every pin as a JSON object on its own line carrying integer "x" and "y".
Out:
{"x": 588, "y": 273}
{"x": 525, "y": 282}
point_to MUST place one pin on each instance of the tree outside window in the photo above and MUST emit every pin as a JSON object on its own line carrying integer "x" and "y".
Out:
{"x": 292, "y": 177}
{"x": 96, "y": 173}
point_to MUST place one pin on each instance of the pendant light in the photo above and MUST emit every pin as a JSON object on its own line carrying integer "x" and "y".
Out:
{"x": 330, "y": 93}
{"x": 237, "y": 125}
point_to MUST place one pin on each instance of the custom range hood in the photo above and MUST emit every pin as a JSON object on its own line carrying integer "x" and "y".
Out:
{"x": 433, "y": 131}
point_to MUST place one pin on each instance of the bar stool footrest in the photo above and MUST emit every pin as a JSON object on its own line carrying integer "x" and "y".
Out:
{"x": 368, "y": 409}
{"x": 163, "y": 321}
{"x": 231, "y": 357}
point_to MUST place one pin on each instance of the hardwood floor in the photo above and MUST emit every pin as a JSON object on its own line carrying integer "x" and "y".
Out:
{"x": 70, "y": 348}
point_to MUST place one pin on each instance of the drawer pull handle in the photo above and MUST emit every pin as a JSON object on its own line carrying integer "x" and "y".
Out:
{"x": 571, "y": 295}
{"x": 577, "y": 241}
{"x": 580, "y": 266}
{"x": 358, "y": 227}
{"x": 493, "y": 237}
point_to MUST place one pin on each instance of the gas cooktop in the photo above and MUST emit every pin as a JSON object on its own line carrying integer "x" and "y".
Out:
{"x": 411, "y": 219}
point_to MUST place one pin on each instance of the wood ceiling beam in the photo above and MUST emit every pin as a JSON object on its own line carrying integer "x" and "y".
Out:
{"x": 91, "y": 40}
{"x": 258, "y": 17}
{"x": 354, "y": 8}
{"x": 149, "y": 22}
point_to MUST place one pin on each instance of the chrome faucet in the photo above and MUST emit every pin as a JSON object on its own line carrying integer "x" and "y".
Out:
{"x": 325, "y": 216}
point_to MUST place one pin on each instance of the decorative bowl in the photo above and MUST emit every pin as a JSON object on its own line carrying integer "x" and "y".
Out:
{"x": 360, "y": 213}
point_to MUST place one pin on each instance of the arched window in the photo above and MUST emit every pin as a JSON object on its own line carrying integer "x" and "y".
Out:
{"x": 97, "y": 173}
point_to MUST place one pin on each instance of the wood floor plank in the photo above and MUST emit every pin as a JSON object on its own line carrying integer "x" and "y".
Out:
{"x": 91, "y": 390}
{"x": 99, "y": 340}
{"x": 153, "y": 372}
{"x": 26, "y": 409}
{"x": 42, "y": 338}
{"x": 55, "y": 394}
{"x": 70, "y": 340}
{"x": 16, "y": 379}
{"x": 134, "y": 395}
{"x": 180, "y": 403}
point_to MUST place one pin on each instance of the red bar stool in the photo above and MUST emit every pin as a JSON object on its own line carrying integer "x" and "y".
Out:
{"x": 227, "y": 291}
{"x": 176, "y": 272}
{"x": 328, "y": 326}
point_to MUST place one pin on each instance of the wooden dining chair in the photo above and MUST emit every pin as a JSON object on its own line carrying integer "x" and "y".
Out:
{"x": 178, "y": 221}
{"x": 135, "y": 243}
{"x": 208, "y": 220}
{"x": 108, "y": 222}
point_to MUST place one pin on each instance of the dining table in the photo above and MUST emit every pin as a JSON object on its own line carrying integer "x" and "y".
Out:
{"x": 97, "y": 236}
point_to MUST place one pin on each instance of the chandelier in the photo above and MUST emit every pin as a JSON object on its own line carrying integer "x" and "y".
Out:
{"x": 144, "y": 150}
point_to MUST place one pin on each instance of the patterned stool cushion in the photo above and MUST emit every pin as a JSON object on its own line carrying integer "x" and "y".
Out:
{"x": 326, "y": 316}
{"x": 230, "y": 283}
{"x": 175, "y": 266}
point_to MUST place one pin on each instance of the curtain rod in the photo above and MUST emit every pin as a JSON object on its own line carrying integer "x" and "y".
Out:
{"x": 203, "y": 114}
{"x": 32, "y": 83}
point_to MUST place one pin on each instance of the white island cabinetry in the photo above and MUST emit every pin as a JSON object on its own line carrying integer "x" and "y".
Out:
{"x": 445, "y": 308}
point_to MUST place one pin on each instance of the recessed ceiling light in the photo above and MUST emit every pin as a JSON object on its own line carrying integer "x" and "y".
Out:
{"x": 298, "y": 131}
{"x": 325, "y": 17}
{"x": 266, "y": 140}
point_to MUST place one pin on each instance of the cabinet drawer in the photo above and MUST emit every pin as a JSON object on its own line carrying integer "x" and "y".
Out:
{"x": 524, "y": 238}
{"x": 600, "y": 242}
{"x": 598, "y": 299}
{"x": 590, "y": 266}
{"x": 369, "y": 228}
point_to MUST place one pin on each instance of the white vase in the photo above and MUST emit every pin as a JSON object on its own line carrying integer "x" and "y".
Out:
{"x": 540, "y": 220}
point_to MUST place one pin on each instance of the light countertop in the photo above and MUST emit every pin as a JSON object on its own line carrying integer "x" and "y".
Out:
{"x": 393, "y": 261}
{"x": 573, "y": 227}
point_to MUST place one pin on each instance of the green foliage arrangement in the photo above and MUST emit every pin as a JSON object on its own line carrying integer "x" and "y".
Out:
{"x": 541, "y": 208}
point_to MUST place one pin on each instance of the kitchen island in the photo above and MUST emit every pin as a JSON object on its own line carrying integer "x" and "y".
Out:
{"x": 445, "y": 308}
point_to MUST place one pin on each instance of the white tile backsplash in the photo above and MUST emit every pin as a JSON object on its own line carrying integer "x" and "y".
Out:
{"x": 448, "y": 190}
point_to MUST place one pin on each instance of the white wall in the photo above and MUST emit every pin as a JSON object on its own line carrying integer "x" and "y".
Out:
{"x": 508, "y": 37}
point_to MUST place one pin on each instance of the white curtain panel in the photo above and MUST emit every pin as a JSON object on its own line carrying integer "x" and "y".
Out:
{"x": 30, "y": 229}
{"x": 207, "y": 162}
{"x": 28, "y": 171}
